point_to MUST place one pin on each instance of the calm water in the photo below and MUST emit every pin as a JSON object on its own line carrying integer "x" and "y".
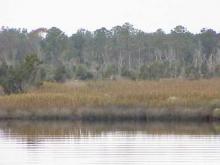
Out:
{"x": 65, "y": 143}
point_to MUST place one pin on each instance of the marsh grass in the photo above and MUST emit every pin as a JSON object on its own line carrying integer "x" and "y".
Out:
{"x": 101, "y": 98}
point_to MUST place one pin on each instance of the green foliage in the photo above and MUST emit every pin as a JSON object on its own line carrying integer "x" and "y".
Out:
{"x": 204, "y": 70}
{"x": 17, "y": 79}
{"x": 83, "y": 73}
{"x": 110, "y": 71}
{"x": 155, "y": 71}
{"x": 209, "y": 41}
{"x": 179, "y": 29}
{"x": 131, "y": 74}
{"x": 122, "y": 50}
{"x": 192, "y": 72}
{"x": 54, "y": 44}
{"x": 78, "y": 42}
{"x": 61, "y": 74}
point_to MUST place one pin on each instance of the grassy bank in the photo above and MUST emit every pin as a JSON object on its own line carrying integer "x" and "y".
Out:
{"x": 108, "y": 100}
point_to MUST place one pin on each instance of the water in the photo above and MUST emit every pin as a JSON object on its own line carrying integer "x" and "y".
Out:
{"x": 69, "y": 143}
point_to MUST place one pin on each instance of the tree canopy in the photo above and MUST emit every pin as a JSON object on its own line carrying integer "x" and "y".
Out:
{"x": 122, "y": 51}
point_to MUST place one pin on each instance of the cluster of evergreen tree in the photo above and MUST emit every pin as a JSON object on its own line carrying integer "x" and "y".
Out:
{"x": 122, "y": 51}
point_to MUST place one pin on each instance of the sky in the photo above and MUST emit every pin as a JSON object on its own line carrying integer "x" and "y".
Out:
{"x": 147, "y": 15}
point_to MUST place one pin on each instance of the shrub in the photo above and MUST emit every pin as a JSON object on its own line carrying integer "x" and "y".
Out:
{"x": 61, "y": 74}
{"x": 192, "y": 72}
{"x": 18, "y": 78}
{"x": 83, "y": 73}
{"x": 129, "y": 74}
{"x": 110, "y": 71}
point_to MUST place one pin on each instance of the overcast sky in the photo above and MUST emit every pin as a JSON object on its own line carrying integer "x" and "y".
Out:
{"x": 148, "y": 15}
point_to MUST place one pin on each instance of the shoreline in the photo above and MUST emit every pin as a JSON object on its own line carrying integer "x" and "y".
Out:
{"x": 77, "y": 128}
{"x": 114, "y": 113}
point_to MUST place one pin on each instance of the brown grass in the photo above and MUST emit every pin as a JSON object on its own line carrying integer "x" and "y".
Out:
{"x": 53, "y": 98}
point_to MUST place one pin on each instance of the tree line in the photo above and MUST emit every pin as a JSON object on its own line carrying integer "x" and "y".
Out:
{"x": 122, "y": 51}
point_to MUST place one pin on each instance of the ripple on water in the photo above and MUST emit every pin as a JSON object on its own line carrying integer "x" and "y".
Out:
{"x": 111, "y": 144}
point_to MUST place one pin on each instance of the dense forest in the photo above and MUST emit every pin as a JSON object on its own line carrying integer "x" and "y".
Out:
{"x": 121, "y": 52}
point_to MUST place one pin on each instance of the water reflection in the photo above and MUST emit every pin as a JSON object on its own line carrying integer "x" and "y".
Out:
{"x": 32, "y": 129}
{"x": 60, "y": 142}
